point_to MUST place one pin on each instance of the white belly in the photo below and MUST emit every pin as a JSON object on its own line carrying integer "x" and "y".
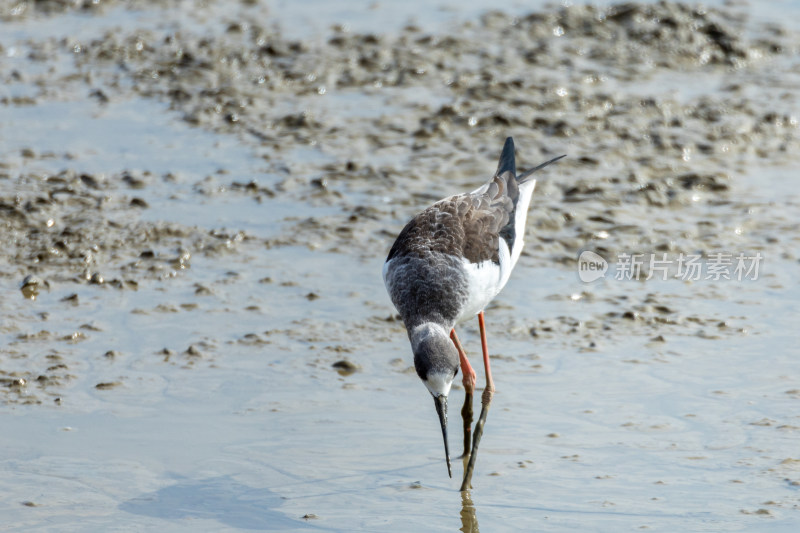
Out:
{"x": 486, "y": 279}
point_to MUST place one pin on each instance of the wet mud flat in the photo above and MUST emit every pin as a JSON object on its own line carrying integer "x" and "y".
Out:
{"x": 196, "y": 203}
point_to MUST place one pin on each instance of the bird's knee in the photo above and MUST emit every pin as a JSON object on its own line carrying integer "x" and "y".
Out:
{"x": 488, "y": 393}
{"x": 469, "y": 380}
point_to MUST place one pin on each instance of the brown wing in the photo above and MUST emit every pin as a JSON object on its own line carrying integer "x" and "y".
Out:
{"x": 468, "y": 225}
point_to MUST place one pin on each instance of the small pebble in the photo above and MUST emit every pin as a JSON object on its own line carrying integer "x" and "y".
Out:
{"x": 346, "y": 367}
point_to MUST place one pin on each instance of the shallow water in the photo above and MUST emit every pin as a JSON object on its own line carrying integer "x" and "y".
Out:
{"x": 176, "y": 370}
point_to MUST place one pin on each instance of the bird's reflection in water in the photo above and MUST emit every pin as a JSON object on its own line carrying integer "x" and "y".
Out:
{"x": 469, "y": 519}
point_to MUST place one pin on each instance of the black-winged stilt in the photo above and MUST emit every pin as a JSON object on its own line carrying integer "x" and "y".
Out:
{"x": 446, "y": 265}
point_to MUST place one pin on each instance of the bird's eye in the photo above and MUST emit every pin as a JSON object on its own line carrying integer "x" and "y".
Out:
{"x": 455, "y": 373}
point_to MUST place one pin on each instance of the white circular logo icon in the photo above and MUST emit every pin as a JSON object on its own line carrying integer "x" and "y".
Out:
{"x": 591, "y": 266}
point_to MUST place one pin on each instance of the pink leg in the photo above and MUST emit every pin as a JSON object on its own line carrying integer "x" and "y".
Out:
{"x": 486, "y": 400}
{"x": 468, "y": 374}
{"x": 489, "y": 390}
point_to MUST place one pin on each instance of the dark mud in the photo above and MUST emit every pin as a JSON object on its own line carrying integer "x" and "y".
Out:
{"x": 648, "y": 152}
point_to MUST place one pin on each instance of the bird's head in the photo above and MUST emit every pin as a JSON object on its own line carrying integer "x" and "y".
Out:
{"x": 436, "y": 361}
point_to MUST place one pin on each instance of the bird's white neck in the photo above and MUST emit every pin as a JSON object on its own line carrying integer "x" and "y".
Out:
{"x": 438, "y": 384}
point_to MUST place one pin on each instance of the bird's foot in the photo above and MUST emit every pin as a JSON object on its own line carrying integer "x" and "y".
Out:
{"x": 476, "y": 440}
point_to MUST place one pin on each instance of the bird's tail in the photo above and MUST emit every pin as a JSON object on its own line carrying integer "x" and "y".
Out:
{"x": 507, "y": 160}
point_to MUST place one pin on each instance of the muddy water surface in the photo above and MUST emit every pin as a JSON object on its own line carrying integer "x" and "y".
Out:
{"x": 196, "y": 203}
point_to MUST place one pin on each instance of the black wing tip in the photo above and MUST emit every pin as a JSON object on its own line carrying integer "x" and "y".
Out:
{"x": 507, "y": 158}
{"x": 528, "y": 173}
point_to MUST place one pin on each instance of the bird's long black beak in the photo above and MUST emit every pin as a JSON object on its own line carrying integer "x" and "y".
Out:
{"x": 441, "y": 410}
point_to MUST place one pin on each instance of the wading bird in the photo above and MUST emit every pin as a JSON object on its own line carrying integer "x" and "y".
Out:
{"x": 446, "y": 265}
